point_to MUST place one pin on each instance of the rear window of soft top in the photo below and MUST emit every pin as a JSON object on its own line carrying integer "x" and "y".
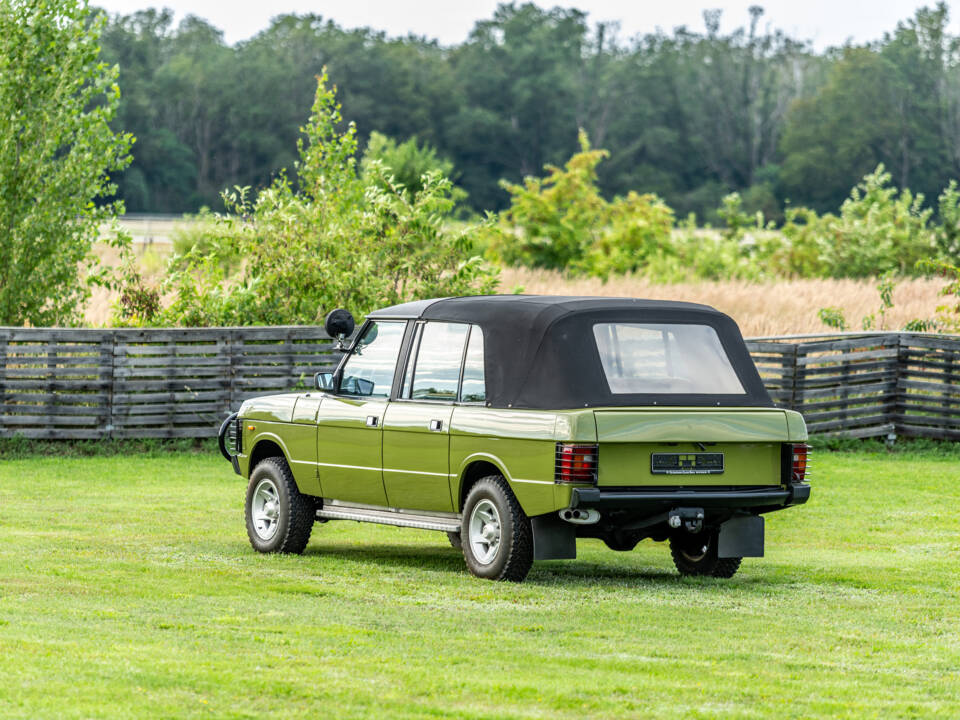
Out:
{"x": 664, "y": 359}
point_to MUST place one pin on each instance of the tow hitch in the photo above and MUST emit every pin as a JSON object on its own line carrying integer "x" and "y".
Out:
{"x": 690, "y": 518}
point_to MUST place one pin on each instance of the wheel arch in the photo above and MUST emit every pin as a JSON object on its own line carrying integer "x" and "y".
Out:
{"x": 472, "y": 469}
{"x": 266, "y": 445}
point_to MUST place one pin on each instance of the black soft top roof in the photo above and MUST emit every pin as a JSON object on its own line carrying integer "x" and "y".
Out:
{"x": 540, "y": 350}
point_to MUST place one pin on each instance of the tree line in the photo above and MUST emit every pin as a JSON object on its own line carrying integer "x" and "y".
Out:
{"x": 689, "y": 115}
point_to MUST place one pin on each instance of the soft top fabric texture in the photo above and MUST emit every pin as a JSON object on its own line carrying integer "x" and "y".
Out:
{"x": 540, "y": 351}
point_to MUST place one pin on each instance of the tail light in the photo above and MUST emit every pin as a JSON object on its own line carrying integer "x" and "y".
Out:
{"x": 576, "y": 463}
{"x": 800, "y": 461}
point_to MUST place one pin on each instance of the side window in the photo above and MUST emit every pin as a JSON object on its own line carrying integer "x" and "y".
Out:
{"x": 436, "y": 374}
{"x": 411, "y": 360}
{"x": 474, "y": 385}
{"x": 369, "y": 369}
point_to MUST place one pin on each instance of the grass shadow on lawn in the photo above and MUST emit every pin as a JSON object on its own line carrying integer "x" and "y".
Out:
{"x": 565, "y": 573}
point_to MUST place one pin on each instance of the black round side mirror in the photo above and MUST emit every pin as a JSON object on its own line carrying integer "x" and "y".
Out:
{"x": 339, "y": 324}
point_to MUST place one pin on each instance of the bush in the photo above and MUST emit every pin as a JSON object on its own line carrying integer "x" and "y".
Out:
{"x": 340, "y": 240}
{"x": 877, "y": 231}
{"x": 948, "y": 314}
{"x": 408, "y": 162}
{"x": 561, "y": 222}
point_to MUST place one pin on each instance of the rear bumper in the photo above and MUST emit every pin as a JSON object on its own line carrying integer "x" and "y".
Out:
{"x": 764, "y": 499}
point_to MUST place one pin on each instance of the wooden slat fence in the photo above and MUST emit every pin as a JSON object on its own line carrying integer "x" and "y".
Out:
{"x": 124, "y": 383}
{"x": 867, "y": 385}
{"x": 165, "y": 383}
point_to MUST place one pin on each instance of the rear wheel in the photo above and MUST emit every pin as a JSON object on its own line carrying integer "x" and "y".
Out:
{"x": 279, "y": 518}
{"x": 697, "y": 555}
{"x": 495, "y": 532}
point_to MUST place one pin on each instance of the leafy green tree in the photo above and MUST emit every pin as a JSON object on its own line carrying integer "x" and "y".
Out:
{"x": 408, "y": 162}
{"x": 562, "y": 222}
{"x": 518, "y": 76}
{"x": 948, "y": 231}
{"x": 879, "y": 229}
{"x": 163, "y": 174}
{"x": 56, "y": 155}
{"x": 338, "y": 239}
{"x": 887, "y": 103}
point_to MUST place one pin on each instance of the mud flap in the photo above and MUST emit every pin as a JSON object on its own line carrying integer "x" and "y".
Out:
{"x": 553, "y": 539}
{"x": 741, "y": 537}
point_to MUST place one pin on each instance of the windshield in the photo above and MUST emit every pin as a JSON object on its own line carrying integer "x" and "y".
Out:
{"x": 665, "y": 359}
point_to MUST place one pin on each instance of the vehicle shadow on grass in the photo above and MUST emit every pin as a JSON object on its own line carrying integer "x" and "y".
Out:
{"x": 555, "y": 573}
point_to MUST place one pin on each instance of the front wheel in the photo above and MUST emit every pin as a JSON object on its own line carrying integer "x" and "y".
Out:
{"x": 495, "y": 532}
{"x": 279, "y": 518}
{"x": 697, "y": 555}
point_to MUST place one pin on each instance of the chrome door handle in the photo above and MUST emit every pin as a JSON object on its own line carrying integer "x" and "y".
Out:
{"x": 372, "y": 420}
{"x": 436, "y": 425}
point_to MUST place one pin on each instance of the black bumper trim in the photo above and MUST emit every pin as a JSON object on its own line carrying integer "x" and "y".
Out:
{"x": 639, "y": 499}
{"x": 799, "y": 493}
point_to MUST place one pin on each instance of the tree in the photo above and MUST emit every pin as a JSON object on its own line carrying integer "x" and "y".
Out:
{"x": 56, "y": 155}
{"x": 408, "y": 162}
{"x": 562, "y": 222}
{"x": 518, "y": 73}
{"x": 337, "y": 239}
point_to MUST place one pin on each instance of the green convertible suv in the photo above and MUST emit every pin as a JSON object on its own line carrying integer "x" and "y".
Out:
{"x": 517, "y": 424}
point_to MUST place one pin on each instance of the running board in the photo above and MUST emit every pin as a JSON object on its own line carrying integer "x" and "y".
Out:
{"x": 389, "y": 517}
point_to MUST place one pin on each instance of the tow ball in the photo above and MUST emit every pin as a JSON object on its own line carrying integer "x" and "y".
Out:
{"x": 690, "y": 518}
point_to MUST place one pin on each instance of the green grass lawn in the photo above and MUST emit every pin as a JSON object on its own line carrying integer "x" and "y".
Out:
{"x": 128, "y": 588}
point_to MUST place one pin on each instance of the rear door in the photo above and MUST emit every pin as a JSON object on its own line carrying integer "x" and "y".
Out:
{"x": 416, "y": 428}
{"x": 715, "y": 440}
{"x": 690, "y": 447}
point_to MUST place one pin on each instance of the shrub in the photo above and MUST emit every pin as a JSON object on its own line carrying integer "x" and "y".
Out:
{"x": 340, "y": 240}
{"x": 408, "y": 163}
{"x": 878, "y": 230}
{"x": 562, "y": 222}
{"x": 947, "y": 314}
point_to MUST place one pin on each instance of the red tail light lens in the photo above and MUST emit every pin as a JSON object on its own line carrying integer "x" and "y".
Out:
{"x": 576, "y": 463}
{"x": 798, "y": 467}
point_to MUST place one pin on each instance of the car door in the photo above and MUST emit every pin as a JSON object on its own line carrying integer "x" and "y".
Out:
{"x": 416, "y": 428}
{"x": 301, "y": 442}
{"x": 349, "y": 420}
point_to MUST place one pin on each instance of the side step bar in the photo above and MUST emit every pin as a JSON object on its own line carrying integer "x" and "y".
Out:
{"x": 389, "y": 517}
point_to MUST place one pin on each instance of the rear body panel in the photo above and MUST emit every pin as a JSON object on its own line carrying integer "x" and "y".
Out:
{"x": 743, "y": 445}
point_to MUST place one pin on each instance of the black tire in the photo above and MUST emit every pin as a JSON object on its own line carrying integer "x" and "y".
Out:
{"x": 454, "y": 538}
{"x": 514, "y": 554}
{"x": 290, "y": 531}
{"x": 697, "y": 555}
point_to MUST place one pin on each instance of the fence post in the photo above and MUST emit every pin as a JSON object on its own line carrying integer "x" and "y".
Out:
{"x": 108, "y": 344}
{"x": 795, "y": 348}
{"x": 948, "y": 402}
{"x": 899, "y": 401}
{"x": 3, "y": 378}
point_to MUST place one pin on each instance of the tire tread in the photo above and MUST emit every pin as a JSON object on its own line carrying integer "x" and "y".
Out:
{"x": 709, "y": 565}
{"x": 519, "y": 557}
{"x": 300, "y": 510}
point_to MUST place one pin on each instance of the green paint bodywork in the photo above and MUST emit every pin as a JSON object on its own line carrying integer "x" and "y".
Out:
{"x": 401, "y": 462}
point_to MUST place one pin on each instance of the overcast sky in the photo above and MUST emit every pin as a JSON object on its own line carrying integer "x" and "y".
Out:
{"x": 825, "y": 22}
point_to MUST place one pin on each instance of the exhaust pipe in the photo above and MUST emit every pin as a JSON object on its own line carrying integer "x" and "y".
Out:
{"x": 579, "y": 516}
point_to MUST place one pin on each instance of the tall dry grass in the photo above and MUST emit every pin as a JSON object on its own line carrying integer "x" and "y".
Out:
{"x": 780, "y": 307}
{"x": 151, "y": 261}
{"x": 776, "y": 308}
